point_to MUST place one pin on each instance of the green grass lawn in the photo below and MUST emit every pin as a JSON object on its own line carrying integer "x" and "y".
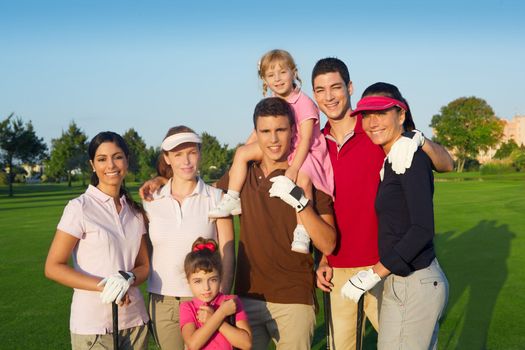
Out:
{"x": 480, "y": 240}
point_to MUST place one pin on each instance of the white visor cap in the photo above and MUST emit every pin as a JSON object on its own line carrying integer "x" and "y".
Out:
{"x": 173, "y": 141}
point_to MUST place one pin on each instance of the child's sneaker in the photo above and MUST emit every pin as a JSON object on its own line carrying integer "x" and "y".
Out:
{"x": 226, "y": 207}
{"x": 301, "y": 240}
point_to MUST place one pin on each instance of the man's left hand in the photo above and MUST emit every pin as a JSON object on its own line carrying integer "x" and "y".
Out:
{"x": 289, "y": 192}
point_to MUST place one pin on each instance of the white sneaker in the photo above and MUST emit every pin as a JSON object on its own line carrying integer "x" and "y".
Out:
{"x": 301, "y": 240}
{"x": 226, "y": 207}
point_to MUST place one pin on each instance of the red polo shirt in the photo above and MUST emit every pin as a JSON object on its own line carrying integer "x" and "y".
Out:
{"x": 356, "y": 165}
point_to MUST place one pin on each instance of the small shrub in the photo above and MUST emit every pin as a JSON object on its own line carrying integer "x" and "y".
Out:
{"x": 497, "y": 167}
{"x": 3, "y": 178}
{"x": 471, "y": 165}
{"x": 518, "y": 159}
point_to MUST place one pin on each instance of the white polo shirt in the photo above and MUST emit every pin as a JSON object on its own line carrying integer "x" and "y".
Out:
{"x": 172, "y": 229}
{"x": 108, "y": 242}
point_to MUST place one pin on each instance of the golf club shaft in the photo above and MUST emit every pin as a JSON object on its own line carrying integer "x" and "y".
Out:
{"x": 327, "y": 317}
{"x": 114, "y": 309}
{"x": 359, "y": 325}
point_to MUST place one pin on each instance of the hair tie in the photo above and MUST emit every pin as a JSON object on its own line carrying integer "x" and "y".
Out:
{"x": 201, "y": 246}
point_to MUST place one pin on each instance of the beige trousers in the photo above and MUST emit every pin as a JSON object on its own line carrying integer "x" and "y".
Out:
{"x": 411, "y": 309}
{"x": 344, "y": 311}
{"x": 164, "y": 315}
{"x": 135, "y": 338}
{"x": 290, "y": 326}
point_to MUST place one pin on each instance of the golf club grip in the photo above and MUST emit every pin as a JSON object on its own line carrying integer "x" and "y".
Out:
{"x": 114, "y": 310}
{"x": 359, "y": 325}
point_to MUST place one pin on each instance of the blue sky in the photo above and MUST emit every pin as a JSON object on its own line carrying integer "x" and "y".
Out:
{"x": 150, "y": 65}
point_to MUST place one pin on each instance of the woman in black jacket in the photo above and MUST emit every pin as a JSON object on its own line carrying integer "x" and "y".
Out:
{"x": 415, "y": 287}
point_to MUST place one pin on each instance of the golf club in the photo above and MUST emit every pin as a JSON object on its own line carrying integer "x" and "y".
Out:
{"x": 114, "y": 309}
{"x": 327, "y": 317}
{"x": 359, "y": 329}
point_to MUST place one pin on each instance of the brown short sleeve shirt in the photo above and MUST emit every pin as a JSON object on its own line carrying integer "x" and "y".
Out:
{"x": 266, "y": 267}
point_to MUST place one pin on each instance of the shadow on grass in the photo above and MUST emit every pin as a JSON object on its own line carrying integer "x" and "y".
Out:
{"x": 475, "y": 264}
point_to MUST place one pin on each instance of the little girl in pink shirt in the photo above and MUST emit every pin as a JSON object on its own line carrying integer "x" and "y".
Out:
{"x": 309, "y": 160}
{"x": 211, "y": 320}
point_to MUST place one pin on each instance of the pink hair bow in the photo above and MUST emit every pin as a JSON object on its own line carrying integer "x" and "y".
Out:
{"x": 201, "y": 246}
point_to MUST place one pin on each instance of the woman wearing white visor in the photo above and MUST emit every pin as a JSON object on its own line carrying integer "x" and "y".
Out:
{"x": 178, "y": 215}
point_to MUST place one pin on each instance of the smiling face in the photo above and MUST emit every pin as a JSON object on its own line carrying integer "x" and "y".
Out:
{"x": 274, "y": 135}
{"x": 205, "y": 285}
{"x": 279, "y": 78}
{"x": 111, "y": 166}
{"x": 384, "y": 127}
{"x": 332, "y": 95}
{"x": 184, "y": 161}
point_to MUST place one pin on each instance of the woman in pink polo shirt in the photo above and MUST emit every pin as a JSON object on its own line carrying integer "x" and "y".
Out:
{"x": 104, "y": 232}
{"x": 178, "y": 215}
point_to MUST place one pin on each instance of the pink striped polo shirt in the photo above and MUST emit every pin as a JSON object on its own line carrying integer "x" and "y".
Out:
{"x": 173, "y": 228}
{"x": 108, "y": 242}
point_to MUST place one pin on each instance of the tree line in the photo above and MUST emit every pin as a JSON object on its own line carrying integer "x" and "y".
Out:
{"x": 67, "y": 159}
{"x": 465, "y": 126}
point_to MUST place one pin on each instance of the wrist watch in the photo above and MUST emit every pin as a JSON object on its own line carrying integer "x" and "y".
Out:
{"x": 298, "y": 194}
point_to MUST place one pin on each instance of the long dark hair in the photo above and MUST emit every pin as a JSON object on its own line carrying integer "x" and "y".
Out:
{"x": 389, "y": 90}
{"x": 110, "y": 136}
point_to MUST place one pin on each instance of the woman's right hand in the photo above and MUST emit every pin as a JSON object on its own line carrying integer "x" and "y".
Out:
{"x": 151, "y": 186}
{"x": 115, "y": 287}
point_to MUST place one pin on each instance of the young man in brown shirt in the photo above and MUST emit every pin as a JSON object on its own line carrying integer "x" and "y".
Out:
{"x": 275, "y": 284}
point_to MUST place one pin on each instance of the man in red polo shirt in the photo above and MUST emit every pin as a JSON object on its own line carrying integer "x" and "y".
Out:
{"x": 357, "y": 163}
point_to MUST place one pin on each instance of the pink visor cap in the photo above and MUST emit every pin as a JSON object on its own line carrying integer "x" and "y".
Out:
{"x": 377, "y": 103}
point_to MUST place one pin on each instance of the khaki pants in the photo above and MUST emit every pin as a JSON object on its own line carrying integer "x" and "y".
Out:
{"x": 411, "y": 309}
{"x": 290, "y": 326}
{"x": 135, "y": 338}
{"x": 164, "y": 315}
{"x": 344, "y": 311}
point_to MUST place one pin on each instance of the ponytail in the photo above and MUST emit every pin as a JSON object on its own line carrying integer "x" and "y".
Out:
{"x": 204, "y": 256}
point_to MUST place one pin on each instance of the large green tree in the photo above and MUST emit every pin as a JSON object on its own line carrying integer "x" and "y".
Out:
{"x": 141, "y": 159}
{"x": 216, "y": 158}
{"x": 467, "y": 126}
{"x": 18, "y": 144}
{"x": 68, "y": 153}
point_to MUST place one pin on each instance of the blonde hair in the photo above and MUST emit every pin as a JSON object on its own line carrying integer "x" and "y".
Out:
{"x": 270, "y": 58}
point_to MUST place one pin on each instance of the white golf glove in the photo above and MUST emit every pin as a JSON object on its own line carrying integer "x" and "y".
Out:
{"x": 289, "y": 192}
{"x": 402, "y": 151}
{"x": 359, "y": 283}
{"x": 116, "y": 286}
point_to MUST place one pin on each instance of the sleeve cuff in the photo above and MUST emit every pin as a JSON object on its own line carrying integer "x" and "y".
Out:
{"x": 395, "y": 263}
